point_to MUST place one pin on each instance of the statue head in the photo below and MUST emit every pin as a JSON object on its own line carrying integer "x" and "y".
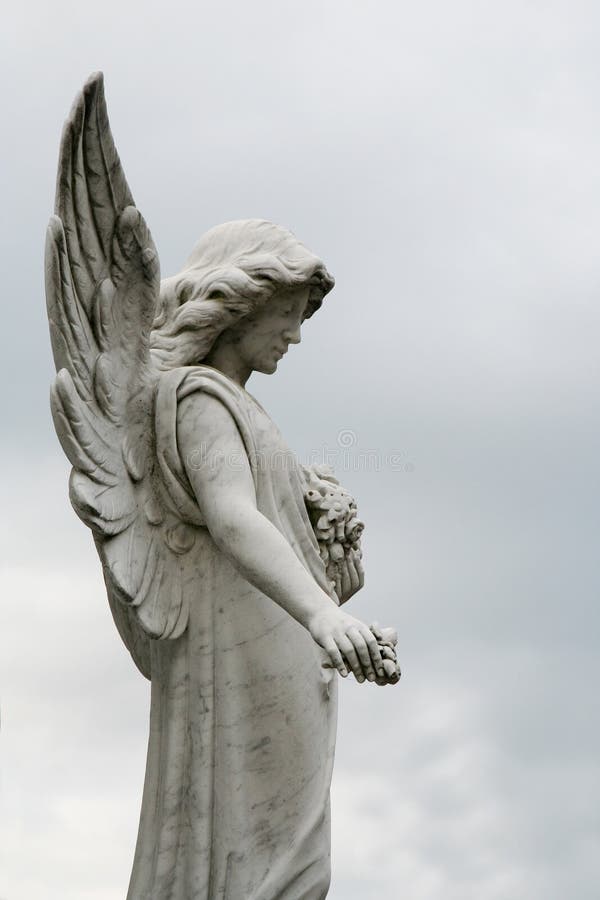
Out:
{"x": 233, "y": 271}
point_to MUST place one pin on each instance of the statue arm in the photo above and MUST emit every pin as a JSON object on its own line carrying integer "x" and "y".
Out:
{"x": 222, "y": 481}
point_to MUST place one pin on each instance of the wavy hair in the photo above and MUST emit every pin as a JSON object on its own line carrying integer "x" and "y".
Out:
{"x": 232, "y": 271}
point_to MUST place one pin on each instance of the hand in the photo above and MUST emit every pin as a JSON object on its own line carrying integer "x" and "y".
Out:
{"x": 349, "y": 575}
{"x": 349, "y": 643}
{"x": 387, "y": 638}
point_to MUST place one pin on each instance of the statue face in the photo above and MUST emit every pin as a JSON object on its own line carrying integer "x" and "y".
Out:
{"x": 263, "y": 338}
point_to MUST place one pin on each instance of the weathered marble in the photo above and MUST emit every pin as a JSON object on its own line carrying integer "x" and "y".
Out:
{"x": 225, "y": 560}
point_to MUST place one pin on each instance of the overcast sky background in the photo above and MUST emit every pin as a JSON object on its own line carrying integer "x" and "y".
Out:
{"x": 444, "y": 159}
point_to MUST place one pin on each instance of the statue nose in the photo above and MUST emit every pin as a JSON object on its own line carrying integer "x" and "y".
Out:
{"x": 292, "y": 336}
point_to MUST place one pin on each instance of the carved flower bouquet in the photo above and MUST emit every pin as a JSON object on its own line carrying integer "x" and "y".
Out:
{"x": 333, "y": 515}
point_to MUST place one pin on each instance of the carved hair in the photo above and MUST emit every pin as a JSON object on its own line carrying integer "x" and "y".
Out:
{"x": 233, "y": 270}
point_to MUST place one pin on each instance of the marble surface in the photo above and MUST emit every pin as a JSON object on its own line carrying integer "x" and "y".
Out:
{"x": 226, "y": 562}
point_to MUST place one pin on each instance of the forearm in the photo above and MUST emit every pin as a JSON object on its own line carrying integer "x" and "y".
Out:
{"x": 227, "y": 497}
{"x": 264, "y": 557}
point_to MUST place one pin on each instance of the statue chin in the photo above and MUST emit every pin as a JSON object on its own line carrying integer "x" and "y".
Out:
{"x": 267, "y": 368}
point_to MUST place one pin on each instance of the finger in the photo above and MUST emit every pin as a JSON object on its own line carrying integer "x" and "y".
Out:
{"x": 338, "y": 585}
{"x": 336, "y": 657}
{"x": 363, "y": 652}
{"x": 361, "y": 571}
{"x": 347, "y": 648}
{"x": 345, "y": 580}
{"x": 354, "y": 579}
{"x": 356, "y": 569}
{"x": 376, "y": 630}
{"x": 374, "y": 650}
{"x": 391, "y": 671}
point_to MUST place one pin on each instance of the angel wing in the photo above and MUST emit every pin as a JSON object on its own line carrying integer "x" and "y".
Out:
{"x": 102, "y": 284}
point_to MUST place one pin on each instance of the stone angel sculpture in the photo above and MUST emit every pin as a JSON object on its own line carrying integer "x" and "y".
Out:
{"x": 224, "y": 571}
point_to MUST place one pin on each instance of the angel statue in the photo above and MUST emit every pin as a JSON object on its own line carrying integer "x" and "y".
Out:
{"x": 225, "y": 560}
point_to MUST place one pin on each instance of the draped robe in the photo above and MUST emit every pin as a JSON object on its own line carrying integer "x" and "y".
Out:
{"x": 243, "y": 714}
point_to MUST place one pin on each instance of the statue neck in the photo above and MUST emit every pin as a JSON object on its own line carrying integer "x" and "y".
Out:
{"x": 225, "y": 358}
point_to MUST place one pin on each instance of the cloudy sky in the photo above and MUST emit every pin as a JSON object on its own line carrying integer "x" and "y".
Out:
{"x": 444, "y": 159}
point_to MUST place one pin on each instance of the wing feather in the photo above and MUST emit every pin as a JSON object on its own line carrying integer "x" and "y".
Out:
{"x": 84, "y": 447}
{"x": 72, "y": 337}
{"x": 69, "y": 211}
{"x": 109, "y": 186}
{"x": 107, "y": 512}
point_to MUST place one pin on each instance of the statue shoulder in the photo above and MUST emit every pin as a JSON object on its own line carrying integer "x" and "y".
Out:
{"x": 198, "y": 409}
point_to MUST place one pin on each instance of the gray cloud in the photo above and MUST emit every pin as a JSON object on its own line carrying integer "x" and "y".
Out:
{"x": 444, "y": 161}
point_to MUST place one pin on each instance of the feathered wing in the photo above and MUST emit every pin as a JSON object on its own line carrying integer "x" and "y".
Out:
{"x": 102, "y": 283}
